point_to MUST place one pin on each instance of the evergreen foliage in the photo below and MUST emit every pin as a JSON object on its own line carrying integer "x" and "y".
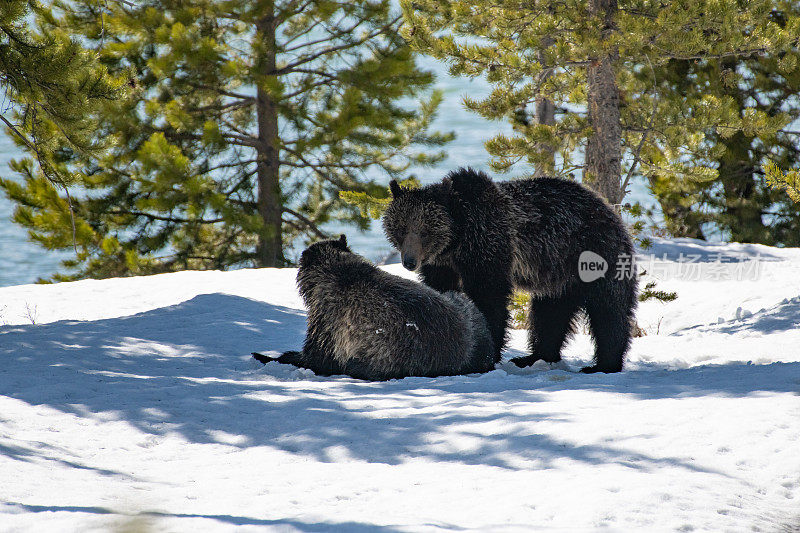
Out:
{"x": 51, "y": 87}
{"x": 651, "y": 293}
{"x": 244, "y": 122}
{"x": 602, "y": 64}
{"x": 761, "y": 90}
{"x": 789, "y": 181}
{"x": 372, "y": 206}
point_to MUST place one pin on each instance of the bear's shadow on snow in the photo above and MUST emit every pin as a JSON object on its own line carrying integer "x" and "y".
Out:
{"x": 186, "y": 369}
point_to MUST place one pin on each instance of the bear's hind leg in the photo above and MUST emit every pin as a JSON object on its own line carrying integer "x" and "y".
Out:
{"x": 550, "y": 321}
{"x": 610, "y": 325}
{"x": 317, "y": 362}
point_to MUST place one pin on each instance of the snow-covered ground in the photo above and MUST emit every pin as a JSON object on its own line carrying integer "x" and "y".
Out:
{"x": 132, "y": 404}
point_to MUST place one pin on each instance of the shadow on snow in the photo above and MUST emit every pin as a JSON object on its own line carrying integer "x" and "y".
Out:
{"x": 784, "y": 316}
{"x": 47, "y": 452}
{"x": 706, "y": 252}
{"x": 186, "y": 369}
{"x": 356, "y": 527}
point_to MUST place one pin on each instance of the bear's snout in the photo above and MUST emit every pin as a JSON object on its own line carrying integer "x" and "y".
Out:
{"x": 410, "y": 262}
{"x": 411, "y": 251}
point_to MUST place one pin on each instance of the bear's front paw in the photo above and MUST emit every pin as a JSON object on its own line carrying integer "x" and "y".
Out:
{"x": 529, "y": 360}
{"x": 522, "y": 362}
{"x": 600, "y": 368}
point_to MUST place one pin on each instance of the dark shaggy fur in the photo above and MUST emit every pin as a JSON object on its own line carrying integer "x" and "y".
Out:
{"x": 469, "y": 233}
{"x": 372, "y": 325}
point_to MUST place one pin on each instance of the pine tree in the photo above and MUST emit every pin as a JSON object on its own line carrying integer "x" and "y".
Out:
{"x": 245, "y": 121}
{"x": 789, "y": 181}
{"x": 52, "y": 87}
{"x": 739, "y": 201}
{"x": 598, "y": 61}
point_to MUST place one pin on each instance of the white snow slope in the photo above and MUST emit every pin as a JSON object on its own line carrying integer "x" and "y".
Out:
{"x": 132, "y": 404}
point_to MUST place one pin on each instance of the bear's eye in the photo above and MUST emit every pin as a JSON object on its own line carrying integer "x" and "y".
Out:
{"x": 424, "y": 234}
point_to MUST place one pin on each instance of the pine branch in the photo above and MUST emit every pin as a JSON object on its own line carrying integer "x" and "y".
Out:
{"x": 307, "y": 222}
{"x": 332, "y": 49}
{"x": 331, "y": 37}
{"x": 163, "y": 218}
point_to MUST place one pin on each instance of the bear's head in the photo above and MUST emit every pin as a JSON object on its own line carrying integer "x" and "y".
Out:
{"x": 323, "y": 252}
{"x": 316, "y": 262}
{"x": 418, "y": 223}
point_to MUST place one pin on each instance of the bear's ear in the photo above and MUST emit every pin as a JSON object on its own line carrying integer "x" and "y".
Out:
{"x": 343, "y": 240}
{"x": 395, "y": 188}
{"x": 470, "y": 183}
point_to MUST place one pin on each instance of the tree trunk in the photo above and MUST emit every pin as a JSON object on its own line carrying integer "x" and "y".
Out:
{"x": 546, "y": 115}
{"x": 742, "y": 214}
{"x": 604, "y": 147}
{"x": 680, "y": 220}
{"x": 269, "y": 251}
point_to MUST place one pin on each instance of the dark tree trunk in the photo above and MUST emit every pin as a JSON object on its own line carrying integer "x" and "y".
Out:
{"x": 742, "y": 213}
{"x": 681, "y": 220}
{"x": 604, "y": 147}
{"x": 545, "y": 114}
{"x": 269, "y": 251}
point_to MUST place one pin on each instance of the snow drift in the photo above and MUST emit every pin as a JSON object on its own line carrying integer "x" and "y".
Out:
{"x": 134, "y": 403}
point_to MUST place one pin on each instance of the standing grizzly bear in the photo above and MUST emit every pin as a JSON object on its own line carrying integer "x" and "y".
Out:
{"x": 471, "y": 234}
{"x": 370, "y": 324}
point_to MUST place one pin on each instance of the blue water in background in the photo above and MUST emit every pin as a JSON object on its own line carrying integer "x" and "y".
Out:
{"x": 22, "y": 261}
